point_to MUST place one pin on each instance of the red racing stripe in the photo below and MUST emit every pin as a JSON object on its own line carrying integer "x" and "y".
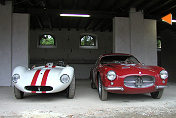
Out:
{"x": 34, "y": 80}
{"x": 44, "y": 79}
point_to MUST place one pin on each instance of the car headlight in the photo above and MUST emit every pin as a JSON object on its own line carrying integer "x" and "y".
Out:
{"x": 164, "y": 74}
{"x": 111, "y": 75}
{"x": 64, "y": 78}
{"x": 15, "y": 78}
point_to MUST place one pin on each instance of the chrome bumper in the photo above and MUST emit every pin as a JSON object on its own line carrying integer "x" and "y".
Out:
{"x": 160, "y": 87}
{"x": 122, "y": 89}
{"x": 114, "y": 88}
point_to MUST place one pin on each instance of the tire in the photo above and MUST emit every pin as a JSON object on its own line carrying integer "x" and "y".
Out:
{"x": 92, "y": 83}
{"x": 157, "y": 94}
{"x": 71, "y": 89}
{"x": 18, "y": 94}
{"x": 103, "y": 94}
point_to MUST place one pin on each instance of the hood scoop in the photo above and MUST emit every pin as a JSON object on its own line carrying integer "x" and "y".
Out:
{"x": 143, "y": 67}
{"x": 126, "y": 67}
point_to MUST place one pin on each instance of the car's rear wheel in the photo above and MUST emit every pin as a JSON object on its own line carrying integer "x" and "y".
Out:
{"x": 157, "y": 94}
{"x": 103, "y": 94}
{"x": 71, "y": 89}
{"x": 18, "y": 94}
{"x": 92, "y": 83}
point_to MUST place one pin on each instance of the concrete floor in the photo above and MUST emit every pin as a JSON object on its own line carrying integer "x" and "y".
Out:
{"x": 86, "y": 104}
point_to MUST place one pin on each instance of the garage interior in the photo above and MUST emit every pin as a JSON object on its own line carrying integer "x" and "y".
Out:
{"x": 119, "y": 26}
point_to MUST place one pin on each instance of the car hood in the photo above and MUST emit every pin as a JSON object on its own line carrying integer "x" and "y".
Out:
{"x": 38, "y": 74}
{"x": 124, "y": 69}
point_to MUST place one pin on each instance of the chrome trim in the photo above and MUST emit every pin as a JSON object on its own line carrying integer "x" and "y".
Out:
{"x": 136, "y": 81}
{"x": 160, "y": 87}
{"x": 114, "y": 88}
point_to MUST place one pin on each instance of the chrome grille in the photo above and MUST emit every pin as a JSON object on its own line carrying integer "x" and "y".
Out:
{"x": 139, "y": 81}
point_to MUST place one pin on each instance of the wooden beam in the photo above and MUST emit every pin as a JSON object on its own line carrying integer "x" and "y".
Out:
{"x": 101, "y": 24}
{"x": 90, "y": 24}
{"x": 96, "y": 24}
{"x": 150, "y": 4}
{"x": 106, "y": 26}
{"x": 170, "y": 9}
{"x": 50, "y": 22}
{"x": 160, "y": 5}
{"x": 78, "y": 24}
{"x": 87, "y": 25}
{"x": 39, "y": 22}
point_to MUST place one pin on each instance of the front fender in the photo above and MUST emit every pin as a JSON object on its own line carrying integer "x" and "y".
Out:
{"x": 19, "y": 70}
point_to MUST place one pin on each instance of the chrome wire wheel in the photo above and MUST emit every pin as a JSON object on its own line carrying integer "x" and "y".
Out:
{"x": 101, "y": 90}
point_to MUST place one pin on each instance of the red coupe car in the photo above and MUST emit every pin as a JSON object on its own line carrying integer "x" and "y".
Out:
{"x": 123, "y": 73}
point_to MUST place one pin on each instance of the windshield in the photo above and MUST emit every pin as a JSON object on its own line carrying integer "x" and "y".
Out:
{"x": 119, "y": 59}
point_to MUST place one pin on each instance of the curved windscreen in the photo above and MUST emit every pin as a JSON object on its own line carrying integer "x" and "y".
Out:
{"x": 119, "y": 59}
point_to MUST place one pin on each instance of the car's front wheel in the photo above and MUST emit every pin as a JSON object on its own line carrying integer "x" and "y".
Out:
{"x": 103, "y": 94}
{"x": 71, "y": 89}
{"x": 157, "y": 94}
{"x": 18, "y": 94}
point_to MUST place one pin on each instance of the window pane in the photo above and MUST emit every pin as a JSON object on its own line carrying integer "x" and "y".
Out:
{"x": 159, "y": 44}
{"x": 87, "y": 40}
{"x": 47, "y": 40}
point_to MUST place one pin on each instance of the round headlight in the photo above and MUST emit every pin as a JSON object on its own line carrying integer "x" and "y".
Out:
{"x": 15, "y": 78}
{"x": 164, "y": 74}
{"x": 111, "y": 75}
{"x": 64, "y": 78}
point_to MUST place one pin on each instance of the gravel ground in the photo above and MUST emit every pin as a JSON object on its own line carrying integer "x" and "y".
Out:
{"x": 86, "y": 104}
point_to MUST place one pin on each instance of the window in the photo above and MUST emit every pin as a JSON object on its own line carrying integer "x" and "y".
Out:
{"x": 88, "y": 41}
{"x": 159, "y": 44}
{"x": 47, "y": 41}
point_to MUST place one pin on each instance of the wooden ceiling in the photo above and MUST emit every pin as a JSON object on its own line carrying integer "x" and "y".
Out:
{"x": 45, "y": 13}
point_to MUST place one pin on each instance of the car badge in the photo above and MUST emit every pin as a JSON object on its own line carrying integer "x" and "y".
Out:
{"x": 38, "y": 88}
{"x": 140, "y": 73}
{"x": 138, "y": 82}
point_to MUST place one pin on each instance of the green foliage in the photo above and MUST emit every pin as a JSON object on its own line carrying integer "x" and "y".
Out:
{"x": 47, "y": 40}
{"x": 158, "y": 43}
{"x": 87, "y": 40}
